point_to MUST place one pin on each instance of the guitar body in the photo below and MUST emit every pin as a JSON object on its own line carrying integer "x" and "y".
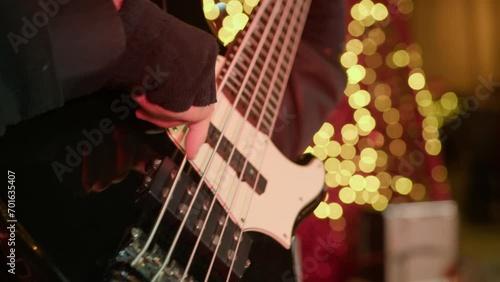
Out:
{"x": 65, "y": 233}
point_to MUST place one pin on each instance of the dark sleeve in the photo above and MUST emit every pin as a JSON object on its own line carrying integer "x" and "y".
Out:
{"x": 317, "y": 80}
{"x": 52, "y": 51}
{"x": 87, "y": 38}
{"x": 169, "y": 60}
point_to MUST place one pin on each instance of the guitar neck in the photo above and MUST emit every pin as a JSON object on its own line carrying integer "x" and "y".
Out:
{"x": 259, "y": 61}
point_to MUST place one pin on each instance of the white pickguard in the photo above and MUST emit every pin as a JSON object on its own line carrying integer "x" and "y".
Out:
{"x": 289, "y": 189}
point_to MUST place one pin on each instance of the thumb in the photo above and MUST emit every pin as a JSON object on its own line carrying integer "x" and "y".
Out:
{"x": 196, "y": 136}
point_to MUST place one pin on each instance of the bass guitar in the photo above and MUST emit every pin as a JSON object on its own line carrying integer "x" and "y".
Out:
{"x": 227, "y": 215}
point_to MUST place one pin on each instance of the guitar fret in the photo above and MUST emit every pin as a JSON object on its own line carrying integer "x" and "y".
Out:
{"x": 266, "y": 80}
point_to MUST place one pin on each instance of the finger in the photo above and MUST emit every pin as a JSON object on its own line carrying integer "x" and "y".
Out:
{"x": 141, "y": 114}
{"x": 196, "y": 136}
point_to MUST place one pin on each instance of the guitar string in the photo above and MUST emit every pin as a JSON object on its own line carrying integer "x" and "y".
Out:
{"x": 280, "y": 28}
{"x": 237, "y": 137}
{"x": 213, "y": 153}
{"x": 303, "y": 11}
{"x": 160, "y": 215}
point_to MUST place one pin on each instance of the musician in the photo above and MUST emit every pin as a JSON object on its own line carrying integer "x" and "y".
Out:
{"x": 56, "y": 51}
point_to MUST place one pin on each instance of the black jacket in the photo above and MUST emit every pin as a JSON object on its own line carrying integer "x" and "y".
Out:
{"x": 56, "y": 50}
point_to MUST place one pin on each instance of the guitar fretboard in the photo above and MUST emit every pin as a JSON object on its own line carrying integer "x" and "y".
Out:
{"x": 260, "y": 59}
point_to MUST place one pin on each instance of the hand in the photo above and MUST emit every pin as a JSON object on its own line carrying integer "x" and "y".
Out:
{"x": 196, "y": 118}
{"x": 119, "y": 153}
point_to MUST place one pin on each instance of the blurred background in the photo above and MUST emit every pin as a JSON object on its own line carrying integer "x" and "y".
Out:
{"x": 411, "y": 152}
{"x": 460, "y": 41}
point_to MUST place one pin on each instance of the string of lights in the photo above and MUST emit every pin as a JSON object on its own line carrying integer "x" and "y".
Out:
{"x": 389, "y": 148}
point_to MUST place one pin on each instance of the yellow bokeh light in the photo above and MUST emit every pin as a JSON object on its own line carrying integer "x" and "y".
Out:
{"x": 355, "y": 73}
{"x": 366, "y": 167}
{"x": 322, "y": 210}
{"x": 423, "y": 98}
{"x": 359, "y": 99}
{"x": 373, "y": 61}
{"x": 333, "y": 179}
{"x": 333, "y": 148}
{"x": 417, "y": 192}
{"x": 371, "y": 197}
{"x": 405, "y": 6}
{"x": 357, "y": 182}
{"x": 430, "y": 135}
{"x": 379, "y": 12}
{"x": 332, "y": 164}
{"x": 370, "y": 77}
{"x": 439, "y": 173}
{"x": 449, "y": 101}
{"x": 430, "y": 124}
{"x": 391, "y": 116}
{"x": 369, "y": 46}
{"x": 347, "y": 195}
{"x": 355, "y": 28}
{"x": 381, "y": 158}
{"x": 397, "y": 147}
{"x": 355, "y": 46}
{"x": 234, "y": 7}
{"x": 433, "y": 147}
{"x": 385, "y": 192}
{"x": 382, "y": 89}
{"x": 359, "y": 113}
{"x": 403, "y": 185}
{"x": 336, "y": 211}
{"x": 378, "y": 35}
{"x": 351, "y": 89}
{"x": 345, "y": 175}
{"x": 368, "y": 155}
{"x": 401, "y": 58}
{"x": 416, "y": 81}
{"x": 381, "y": 203}
{"x": 208, "y": 5}
{"x": 319, "y": 152}
{"x": 226, "y": 35}
{"x": 211, "y": 11}
{"x": 347, "y": 151}
{"x": 348, "y": 59}
{"x": 355, "y": 13}
{"x": 368, "y": 21}
{"x": 328, "y": 129}
{"x": 252, "y": 3}
{"x": 349, "y": 131}
{"x": 321, "y": 138}
{"x": 372, "y": 183}
{"x": 351, "y": 142}
{"x": 348, "y": 166}
{"x": 394, "y": 130}
{"x": 383, "y": 103}
{"x": 385, "y": 179}
{"x": 366, "y": 123}
{"x": 359, "y": 198}
{"x": 240, "y": 21}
